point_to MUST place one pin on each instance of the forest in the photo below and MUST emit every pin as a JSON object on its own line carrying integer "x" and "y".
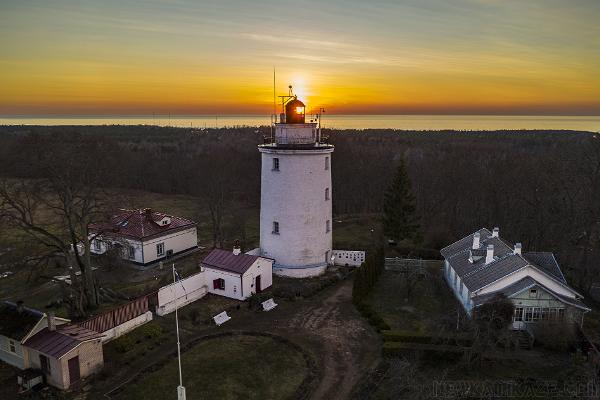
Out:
{"x": 542, "y": 188}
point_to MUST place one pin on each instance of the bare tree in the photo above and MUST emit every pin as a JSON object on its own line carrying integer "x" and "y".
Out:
{"x": 54, "y": 212}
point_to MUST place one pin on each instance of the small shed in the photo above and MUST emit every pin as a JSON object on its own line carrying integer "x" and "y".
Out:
{"x": 65, "y": 354}
{"x": 236, "y": 275}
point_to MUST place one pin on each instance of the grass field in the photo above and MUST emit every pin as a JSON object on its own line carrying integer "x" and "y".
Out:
{"x": 230, "y": 367}
{"x": 429, "y": 300}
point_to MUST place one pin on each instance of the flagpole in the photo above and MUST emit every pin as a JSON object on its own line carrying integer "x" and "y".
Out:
{"x": 180, "y": 388}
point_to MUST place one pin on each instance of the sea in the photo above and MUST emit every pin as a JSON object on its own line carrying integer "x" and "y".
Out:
{"x": 407, "y": 122}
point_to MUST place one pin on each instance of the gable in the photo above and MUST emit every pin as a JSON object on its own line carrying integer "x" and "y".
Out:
{"x": 535, "y": 274}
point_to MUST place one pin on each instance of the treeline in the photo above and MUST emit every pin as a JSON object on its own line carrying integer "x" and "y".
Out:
{"x": 540, "y": 187}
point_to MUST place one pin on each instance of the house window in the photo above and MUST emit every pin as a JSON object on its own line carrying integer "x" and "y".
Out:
{"x": 533, "y": 293}
{"x": 327, "y": 194}
{"x": 160, "y": 249}
{"x": 96, "y": 245}
{"x": 326, "y": 163}
{"x": 11, "y": 346}
{"x": 518, "y": 316}
{"x": 130, "y": 251}
{"x": 275, "y": 228}
{"x": 45, "y": 364}
{"x": 219, "y": 284}
{"x": 275, "y": 164}
{"x": 327, "y": 226}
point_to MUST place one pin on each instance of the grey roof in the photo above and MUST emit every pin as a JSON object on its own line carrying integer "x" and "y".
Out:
{"x": 16, "y": 322}
{"x": 476, "y": 274}
{"x": 546, "y": 262}
{"x": 463, "y": 243}
{"x": 486, "y": 274}
{"x": 524, "y": 284}
{"x": 508, "y": 291}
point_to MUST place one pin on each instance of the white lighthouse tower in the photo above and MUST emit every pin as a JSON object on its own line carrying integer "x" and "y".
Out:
{"x": 295, "y": 203}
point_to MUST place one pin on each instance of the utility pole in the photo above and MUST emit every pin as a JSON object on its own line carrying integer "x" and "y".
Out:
{"x": 180, "y": 388}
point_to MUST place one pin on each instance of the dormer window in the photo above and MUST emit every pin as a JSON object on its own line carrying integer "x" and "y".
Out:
{"x": 164, "y": 221}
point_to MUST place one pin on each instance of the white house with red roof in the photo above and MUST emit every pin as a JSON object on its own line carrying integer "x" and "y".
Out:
{"x": 235, "y": 274}
{"x": 145, "y": 236}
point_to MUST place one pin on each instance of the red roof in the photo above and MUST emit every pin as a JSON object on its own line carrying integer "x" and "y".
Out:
{"x": 227, "y": 261}
{"x": 140, "y": 224}
{"x": 61, "y": 341}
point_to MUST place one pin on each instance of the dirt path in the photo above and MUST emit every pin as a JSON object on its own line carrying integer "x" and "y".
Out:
{"x": 350, "y": 346}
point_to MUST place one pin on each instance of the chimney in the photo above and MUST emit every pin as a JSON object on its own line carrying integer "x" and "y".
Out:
{"x": 476, "y": 237}
{"x": 51, "y": 322}
{"x": 20, "y": 306}
{"x": 518, "y": 248}
{"x": 489, "y": 257}
{"x": 496, "y": 232}
{"x": 237, "y": 250}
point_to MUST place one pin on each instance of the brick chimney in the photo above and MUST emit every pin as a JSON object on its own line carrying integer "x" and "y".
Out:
{"x": 51, "y": 322}
{"x": 489, "y": 257}
{"x": 496, "y": 232}
{"x": 476, "y": 237}
{"x": 518, "y": 248}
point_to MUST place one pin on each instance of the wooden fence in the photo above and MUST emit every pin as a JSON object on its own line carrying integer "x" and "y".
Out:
{"x": 119, "y": 315}
{"x": 406, "y": 265}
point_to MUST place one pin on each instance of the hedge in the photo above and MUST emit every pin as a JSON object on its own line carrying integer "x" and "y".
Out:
{"x": 434, "y": 351}
{"x": 418, "y": 337}
{"x": 371, "y": 315}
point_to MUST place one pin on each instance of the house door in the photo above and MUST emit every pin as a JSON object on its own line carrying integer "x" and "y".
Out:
{"x": 518, "y": 316}
{"x": 258, "y": 286}
{"x": 73, "y": 370}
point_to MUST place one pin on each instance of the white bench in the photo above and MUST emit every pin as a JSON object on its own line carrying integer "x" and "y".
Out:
{"x": 268, "y": 305}
{"x": 221, "y": 318}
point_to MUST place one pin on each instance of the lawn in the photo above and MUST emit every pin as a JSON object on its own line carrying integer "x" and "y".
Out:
{"x": 229, "y": 367}
{"x": 428, "y": 302}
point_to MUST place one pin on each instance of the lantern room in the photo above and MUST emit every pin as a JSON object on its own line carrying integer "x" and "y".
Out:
{"x": 294, "y": 112}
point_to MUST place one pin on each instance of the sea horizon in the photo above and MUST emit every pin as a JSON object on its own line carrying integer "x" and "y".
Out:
{"x": 335, "y": 121}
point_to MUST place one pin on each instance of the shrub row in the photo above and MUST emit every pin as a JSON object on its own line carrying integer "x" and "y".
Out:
{"x": 418, "y": 337}
{"x": 373, "y": 317}
{"x": 367, "y": 274}
{"x": 433, "y": 351}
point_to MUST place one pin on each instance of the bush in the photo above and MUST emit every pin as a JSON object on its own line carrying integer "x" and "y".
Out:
{"x": 151, "y": 330}
{"x": 557, "y": 336}
{"x": 124, "y": 343}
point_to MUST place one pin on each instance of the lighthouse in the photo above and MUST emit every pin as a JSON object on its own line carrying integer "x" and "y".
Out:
{"x": 296, "y": 193}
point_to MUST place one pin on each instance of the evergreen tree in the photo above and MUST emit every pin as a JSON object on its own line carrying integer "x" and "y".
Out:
{"x": 399, "y": 219}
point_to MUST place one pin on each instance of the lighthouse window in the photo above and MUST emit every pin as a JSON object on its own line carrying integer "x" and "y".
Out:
{"x": 276, "y": 164}
{"x": 326, "y": 163}
{"x": 275, "y": 228}
{"x": 327, "y": 226}
{"x": 327, "y": 194}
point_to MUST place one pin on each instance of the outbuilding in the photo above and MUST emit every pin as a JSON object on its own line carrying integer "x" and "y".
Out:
{"x": 65, "y": 354}
{"x": 237, "y": 275}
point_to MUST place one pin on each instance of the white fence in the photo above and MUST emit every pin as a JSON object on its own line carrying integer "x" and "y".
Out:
{"x": 126, "y": 327}
{"x": 352, "y": 258}
{"x": 181, "y": 293}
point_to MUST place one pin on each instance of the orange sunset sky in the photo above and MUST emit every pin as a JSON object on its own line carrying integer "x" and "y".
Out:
{"x": 132, "y": 57}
